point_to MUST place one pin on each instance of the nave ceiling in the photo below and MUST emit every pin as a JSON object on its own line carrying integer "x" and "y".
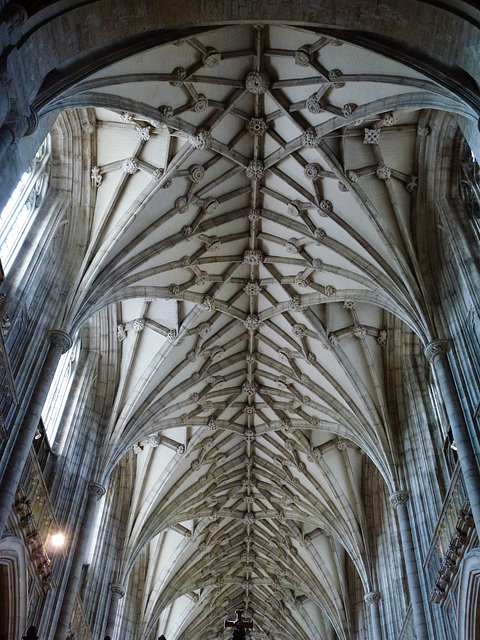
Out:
{"x": 252, "y": 226}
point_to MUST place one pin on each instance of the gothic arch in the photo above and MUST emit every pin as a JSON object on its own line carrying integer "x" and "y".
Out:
{"x": 469, "y": 597}
{"x": 14, "y": 586}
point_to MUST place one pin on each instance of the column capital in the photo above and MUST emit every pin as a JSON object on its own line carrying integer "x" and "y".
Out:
{"x": 373, "y": 597}
{"x": 399, "y": 497}
{"x": 32, "y": 121}
{"x": 60, "y": 339}
{"x": 118, "y": 590}
{"x": 435, "y": 348}
{"x": 96, "y": 489}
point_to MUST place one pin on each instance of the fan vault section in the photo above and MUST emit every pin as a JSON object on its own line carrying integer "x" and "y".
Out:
{"x": 252, "y": 226}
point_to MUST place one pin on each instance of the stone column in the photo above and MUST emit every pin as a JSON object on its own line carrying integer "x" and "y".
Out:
{"x": 17, "y": 129}
{"x": 372, "y": 599}
{"x": 436, "y": 352}
{"x": 60, "y": 342}
{"x": 117, "y": 592}
{"x": 399, "y": 502}
{"x": 95, "y": 492}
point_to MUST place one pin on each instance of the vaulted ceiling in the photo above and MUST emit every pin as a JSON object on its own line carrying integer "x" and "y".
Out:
{"x": 254, "y": 188}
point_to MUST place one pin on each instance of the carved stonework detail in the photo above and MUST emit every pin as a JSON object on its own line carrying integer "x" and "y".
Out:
{"x": 334, "y": 75}
{"x": 249, "y": 388}
{"x": 181, "y": 204}
{"x": 257, "y": 82}
{"x": 300, "y": 281}
{"x": 435, "y": 348}
{"x": 372, "y": 136}
{"x": 138, "y": 324}
{"x": 310, "y": 138}
{"x": 412, "y": 184}
{"x": 180, "y": 75}
{"x": 155, "y": 440}
{"x": 32, "y": 121}
{"x": 118, "y": 590}
{"x": 389, "y": 120}
{"x": 312, "y": 171}
{"x": 383, "y": 172}
{"x": 359, "y": 331}
{"x": 96, "y": 489}
{"x": 143, "y": 133}
{"x": 211, "y": 57}
{"x": 252, "y": 289}
{"x": 254, "y": 170}
{"x": 61, "y": 340}
{"x": 197, "y": 173}
{"x": 298, "y": 330}
{"x": 253, "y": 256}
{"x": 399, "y": 497}
{"x": 201, "y": 103}
{"x": 382, "y": 337}
{"x": 254, "y": 215}
{"x": 130, "y": 166}
{"x": 172, "y": 335}
{"x": 291, "y": 245}
{"x": 453, "y": 554}
{"x": 6, "y": 324}
{"x": 121, "y": 332}
{"x": 348, "y": 109}
{"x": 202, "y": 140}
{"x": 326, "y": 206}
{"x": 373, "y": 597}
{"x": 257, "y": 126}
{"x": 96, "y": 176}
{"x": 296, "y": 304}
{"x": 165, "y": 110}
{"x": 313, "y": 104}
{"x": 208, "y": 303}
{"x": 302, "y": 57}
{"x": 423, "y": 130}
{"x": 251, "y": 322}
{"x": 33, "y": 538}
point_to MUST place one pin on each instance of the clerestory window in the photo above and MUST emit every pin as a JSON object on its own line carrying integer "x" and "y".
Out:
{"x": 19, "y": 212}
{"x": 58, "y": 394}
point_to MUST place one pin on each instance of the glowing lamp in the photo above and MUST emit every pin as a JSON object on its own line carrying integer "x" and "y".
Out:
{"x": 58, "y": 540}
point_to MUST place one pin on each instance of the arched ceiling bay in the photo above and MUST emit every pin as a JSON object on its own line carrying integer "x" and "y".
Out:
{"x": 252, "y": 225}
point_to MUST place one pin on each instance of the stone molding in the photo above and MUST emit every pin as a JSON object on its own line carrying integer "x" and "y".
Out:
{"x": 399, "y": 497}
{"x": 96, "y": 489}
{"x": 32, "y": 121}
{"x": 117, "y": 590}
{"x": 373, "y": 597}
{"x": 453, "y": 554}
{"x": 33, "y": 539}
{"x": 435, "y": 348}
{"x": 60, "y": 339}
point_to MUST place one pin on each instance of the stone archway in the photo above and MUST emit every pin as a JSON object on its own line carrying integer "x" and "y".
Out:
{"x": 469, "y": 597}
{"x": 13, "y": 588}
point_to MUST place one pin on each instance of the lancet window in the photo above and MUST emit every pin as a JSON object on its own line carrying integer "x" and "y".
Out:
{"x": 19, "y": 212}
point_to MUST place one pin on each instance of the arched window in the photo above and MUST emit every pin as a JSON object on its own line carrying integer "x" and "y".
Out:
{"x": 19, "y": 212}
{"x": 57, "y": 396}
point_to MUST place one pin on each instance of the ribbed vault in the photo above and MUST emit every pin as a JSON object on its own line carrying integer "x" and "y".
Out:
{"x": 252, "y": 227}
